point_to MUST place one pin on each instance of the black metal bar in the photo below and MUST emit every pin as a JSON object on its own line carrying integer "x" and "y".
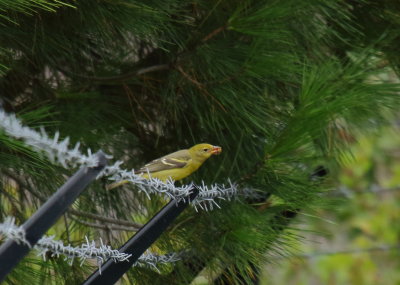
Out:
{"x": 111, "y": 271}
{"x": 11, "y": 252}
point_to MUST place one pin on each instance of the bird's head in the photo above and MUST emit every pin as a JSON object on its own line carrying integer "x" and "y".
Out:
{"x": 204, "y": 150}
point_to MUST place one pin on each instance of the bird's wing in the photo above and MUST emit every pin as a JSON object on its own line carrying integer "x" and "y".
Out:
{"x": 174, "y": 160}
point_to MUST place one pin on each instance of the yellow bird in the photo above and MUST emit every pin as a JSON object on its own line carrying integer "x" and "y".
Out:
{"x": 176, "y": 165}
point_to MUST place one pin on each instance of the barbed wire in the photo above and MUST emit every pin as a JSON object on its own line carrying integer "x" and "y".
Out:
{"x": 56, "y": 151}
{"x": 59, "y": 152}
{"x": 87, "y": 250}
{"x": 11, "y": 231}
{"x": 151, "y": 260}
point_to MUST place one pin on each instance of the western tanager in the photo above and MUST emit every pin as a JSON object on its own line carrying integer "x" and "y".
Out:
{"x": 176, "y": 165}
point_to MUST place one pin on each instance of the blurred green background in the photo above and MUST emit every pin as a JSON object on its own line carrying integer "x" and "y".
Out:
{"x": 357, "y": 239}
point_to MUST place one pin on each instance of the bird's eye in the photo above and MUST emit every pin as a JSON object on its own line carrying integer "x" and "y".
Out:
{"x": 205, "y": 149}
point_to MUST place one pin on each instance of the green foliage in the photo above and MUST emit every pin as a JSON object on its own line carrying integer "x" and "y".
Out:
{"x": 276, "y": 83}
{"x": 10, "y": 8}
{"x": 365, "y": 250}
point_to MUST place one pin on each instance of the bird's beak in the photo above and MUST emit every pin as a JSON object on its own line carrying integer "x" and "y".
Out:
{"x": 216, "y": 150}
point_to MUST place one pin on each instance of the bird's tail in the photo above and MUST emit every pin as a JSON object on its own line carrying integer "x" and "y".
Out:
{"x": 116, "y": 184}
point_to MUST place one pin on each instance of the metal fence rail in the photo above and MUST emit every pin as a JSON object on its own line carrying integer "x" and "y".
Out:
{"x": 12, "y": 252}
{"x": 110, "y": 271}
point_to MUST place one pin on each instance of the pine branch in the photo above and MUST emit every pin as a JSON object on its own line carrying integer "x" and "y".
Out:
{"x": 201, "y": 87}
{"x": 121, "y": 77}
{"x": 131, "y": 225}
{"x": 214, "y": 33}
{"x": 107, "y": 227}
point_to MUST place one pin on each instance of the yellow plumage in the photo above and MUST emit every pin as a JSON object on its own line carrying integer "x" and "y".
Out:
{"x": 176, "y": 165}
